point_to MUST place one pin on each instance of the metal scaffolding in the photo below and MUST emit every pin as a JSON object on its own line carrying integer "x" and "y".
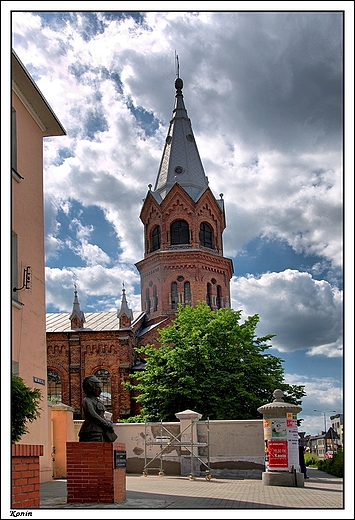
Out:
{"x": 167, "y": 440}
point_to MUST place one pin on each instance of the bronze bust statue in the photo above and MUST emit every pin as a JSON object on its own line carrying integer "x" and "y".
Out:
{"x": 95, "y": 427}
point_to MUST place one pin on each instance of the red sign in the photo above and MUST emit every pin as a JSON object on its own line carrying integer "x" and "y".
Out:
{"x": 278, "y": 456}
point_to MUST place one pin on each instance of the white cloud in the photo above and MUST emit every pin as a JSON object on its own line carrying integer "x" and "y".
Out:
{"x": 263, "y": 92}
{"x": 305, "y": 314}
{"x": 92, "y": 281}
{"x": 324, "y": 394}
{"x": 257, "y": 136}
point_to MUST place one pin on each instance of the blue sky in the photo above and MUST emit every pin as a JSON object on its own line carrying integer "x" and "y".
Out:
{"x": 263, "y": 91}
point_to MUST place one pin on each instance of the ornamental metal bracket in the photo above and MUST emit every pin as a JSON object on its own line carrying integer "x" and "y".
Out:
{"x": 26, "y": 280}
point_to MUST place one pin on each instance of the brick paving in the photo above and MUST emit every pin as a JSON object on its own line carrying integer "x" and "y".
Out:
{"x": 321, "y": 491}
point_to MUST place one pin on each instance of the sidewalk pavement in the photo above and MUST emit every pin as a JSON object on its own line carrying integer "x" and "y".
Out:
{"x": 320, "y": 491}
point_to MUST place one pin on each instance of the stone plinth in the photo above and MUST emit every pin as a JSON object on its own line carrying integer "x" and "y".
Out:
{"x": 91, "y": 472}
{"x": 282, "y": 478}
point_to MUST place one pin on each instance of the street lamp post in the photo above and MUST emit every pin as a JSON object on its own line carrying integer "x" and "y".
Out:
{"x": 325, "y": 420}
{"x": 325, "y": 425}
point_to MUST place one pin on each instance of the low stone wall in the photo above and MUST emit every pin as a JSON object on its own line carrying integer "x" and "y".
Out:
{"x": 234, "y": 449}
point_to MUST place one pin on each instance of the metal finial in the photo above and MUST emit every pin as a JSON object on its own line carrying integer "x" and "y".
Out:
{"x": 177, "y": 65}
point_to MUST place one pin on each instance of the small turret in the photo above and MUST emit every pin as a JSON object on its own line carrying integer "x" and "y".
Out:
{"x": 77, "y": 317}
{"x": 125, "y": 315}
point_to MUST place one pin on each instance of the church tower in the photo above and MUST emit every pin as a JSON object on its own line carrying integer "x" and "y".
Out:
{"x": 183, "y": 225}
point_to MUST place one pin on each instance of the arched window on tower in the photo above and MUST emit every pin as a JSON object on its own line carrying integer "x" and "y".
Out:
{"x": 147, "y": 301}
{"x": 155, "y": 239}
{"x": 54, "y": 387}
{"x": 179, "y": 232}
{"x": 105, "y": 396}
{"x": 155, "y": 298}
{"x": 174, "y": 296}
{"x": 219, "y": 297}
{"x": 187, "y": 293}
{"x": 208, "y": 295}
{"x": 206, "y": 235}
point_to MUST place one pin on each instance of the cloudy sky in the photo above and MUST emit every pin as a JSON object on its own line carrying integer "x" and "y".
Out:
{"x": 263, "y": 91}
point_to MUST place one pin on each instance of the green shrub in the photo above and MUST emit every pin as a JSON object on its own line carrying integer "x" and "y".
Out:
{"x": 134, "y": 419}
{"x": 24, "y": 407}
{"x": 311, "y": 459}
{"x": 334, "y": 466}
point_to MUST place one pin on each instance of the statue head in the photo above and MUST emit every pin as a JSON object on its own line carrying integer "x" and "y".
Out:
{"x": 92, "y": 385}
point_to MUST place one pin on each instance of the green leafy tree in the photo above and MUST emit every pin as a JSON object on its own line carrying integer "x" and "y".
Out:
{"x": 208, "y": 362}
{"x": 333, "y": 466}
{"x": 24, "y": 407}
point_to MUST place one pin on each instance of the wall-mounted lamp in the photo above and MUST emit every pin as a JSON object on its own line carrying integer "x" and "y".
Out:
{"x": 26, "y": 280}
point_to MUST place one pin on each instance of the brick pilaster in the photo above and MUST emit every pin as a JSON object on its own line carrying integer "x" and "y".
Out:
{"x": 25, "y": 492}
{"x": 91, "y": 475}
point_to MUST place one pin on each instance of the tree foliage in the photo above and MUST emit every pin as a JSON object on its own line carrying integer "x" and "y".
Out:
{"x": 209, "y": 362}
{"x": 24, "y": 407}
{"x": 333, "y": 466}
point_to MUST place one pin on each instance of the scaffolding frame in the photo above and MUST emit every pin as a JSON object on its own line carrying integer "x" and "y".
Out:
{"x": 171, "y": 440}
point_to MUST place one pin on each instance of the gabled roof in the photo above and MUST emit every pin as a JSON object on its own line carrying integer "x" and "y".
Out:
{"x": 150, "y": 327}
{"x": 94, "y": 321}
{"x": 181, "y": 161}
{"x": 30, "y": 95}
{"x": 331, "y": 434}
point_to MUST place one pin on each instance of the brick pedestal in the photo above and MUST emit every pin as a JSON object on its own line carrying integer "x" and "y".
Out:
{"x": 91, "y": 473}
{"x": 25, "y": 493}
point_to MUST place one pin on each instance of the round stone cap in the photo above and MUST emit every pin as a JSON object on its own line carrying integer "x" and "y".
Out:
{"x": 279, "y": 405}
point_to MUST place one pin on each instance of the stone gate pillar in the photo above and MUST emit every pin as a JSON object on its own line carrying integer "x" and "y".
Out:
{"x": 62, "y": 432}
{"x": 189, "y": 463}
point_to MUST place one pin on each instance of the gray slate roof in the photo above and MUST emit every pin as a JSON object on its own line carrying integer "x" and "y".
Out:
{"x": 95, "y": 321}
{"x": 181, "y": 161}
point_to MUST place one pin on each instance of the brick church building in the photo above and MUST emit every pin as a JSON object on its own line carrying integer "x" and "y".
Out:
{"x": 183, "y": 263}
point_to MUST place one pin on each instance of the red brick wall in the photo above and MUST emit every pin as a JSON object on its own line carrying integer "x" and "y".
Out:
{"x": 91, "y": 476}
{"x": 78, "y": 354}
{"x": 191, "y": 263}
{"x": 25, "y": 476}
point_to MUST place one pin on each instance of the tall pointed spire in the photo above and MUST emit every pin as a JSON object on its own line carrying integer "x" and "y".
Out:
{"x": 181, "y": 162}
{"x": 183, "y": 225}
{"x": 77, "y": 316}
{"x": 125, "y": 314}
